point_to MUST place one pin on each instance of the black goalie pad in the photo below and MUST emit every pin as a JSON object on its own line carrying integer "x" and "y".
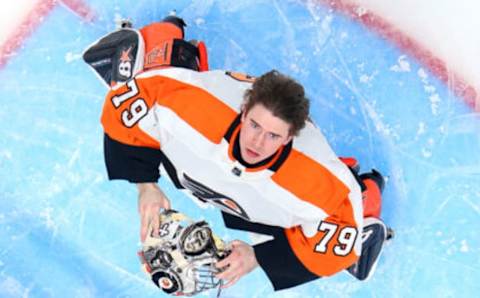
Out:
{"x": 117, "y": 56}
{"x": 374, "y": 235}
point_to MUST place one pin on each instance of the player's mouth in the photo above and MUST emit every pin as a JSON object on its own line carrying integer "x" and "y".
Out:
{"x": 252, "y": 154}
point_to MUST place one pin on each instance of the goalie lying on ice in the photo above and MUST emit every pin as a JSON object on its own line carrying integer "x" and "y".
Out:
{"x": 245, "y": 145}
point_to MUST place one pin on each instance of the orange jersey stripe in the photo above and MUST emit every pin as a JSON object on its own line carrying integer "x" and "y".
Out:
{"x": 322, "y": 264}
{"x": 312, "y": 182}
{"x": 200, "y": 109}
{"x": 111, "y": 120}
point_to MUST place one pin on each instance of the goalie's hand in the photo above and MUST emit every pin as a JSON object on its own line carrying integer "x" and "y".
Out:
{"x": 239, "y": 262}
{"x": 150, "y": 200}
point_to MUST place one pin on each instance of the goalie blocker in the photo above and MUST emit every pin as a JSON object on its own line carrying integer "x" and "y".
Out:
{"x": 120, "y": 55}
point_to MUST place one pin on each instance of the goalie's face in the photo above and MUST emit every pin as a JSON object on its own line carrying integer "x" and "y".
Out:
{"x": 262, "y": 134}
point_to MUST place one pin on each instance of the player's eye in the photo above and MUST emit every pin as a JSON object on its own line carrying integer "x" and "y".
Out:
{"x": 273, "y": 136}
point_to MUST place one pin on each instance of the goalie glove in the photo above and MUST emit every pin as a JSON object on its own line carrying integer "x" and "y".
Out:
{"x": 118, "y": 56}
{"x": 181, "y": 259}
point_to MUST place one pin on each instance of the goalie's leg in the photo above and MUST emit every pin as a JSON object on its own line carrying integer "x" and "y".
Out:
{"x": 375, "y": 234}
{"x": 372, "y": 195}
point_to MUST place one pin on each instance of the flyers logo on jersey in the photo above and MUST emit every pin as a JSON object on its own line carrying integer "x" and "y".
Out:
{"x": 208, "y": 195}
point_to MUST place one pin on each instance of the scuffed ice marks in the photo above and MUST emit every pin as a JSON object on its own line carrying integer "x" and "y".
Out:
{"x": 239, "y": 60}
{"x": 402, "y": 65}
{"x": 371, "y": 101}
{"x": 70, "y": 57}
{"x": 12, "y": 288}
{"x": 196, "y": 9}
{"x": 322, "y": 27}
{"x": 430, "y": 91}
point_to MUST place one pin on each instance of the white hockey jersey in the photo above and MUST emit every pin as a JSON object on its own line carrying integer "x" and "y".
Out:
{"x": 193, "y": 118}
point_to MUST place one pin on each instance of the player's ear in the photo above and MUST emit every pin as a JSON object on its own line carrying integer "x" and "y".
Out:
{"x": 242, "y": 110}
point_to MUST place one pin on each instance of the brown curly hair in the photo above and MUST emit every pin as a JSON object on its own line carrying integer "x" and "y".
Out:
{"x": 282, "y": 96}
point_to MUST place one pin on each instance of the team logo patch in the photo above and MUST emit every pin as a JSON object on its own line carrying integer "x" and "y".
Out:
{"x": 166, "y": 283}
{"x": 206, "y": 194}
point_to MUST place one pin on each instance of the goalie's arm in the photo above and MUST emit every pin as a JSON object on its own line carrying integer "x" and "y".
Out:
{"x": 132, "y": 163}
{"x": 131, "y": 153}
{"x": 138, "y": 165}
